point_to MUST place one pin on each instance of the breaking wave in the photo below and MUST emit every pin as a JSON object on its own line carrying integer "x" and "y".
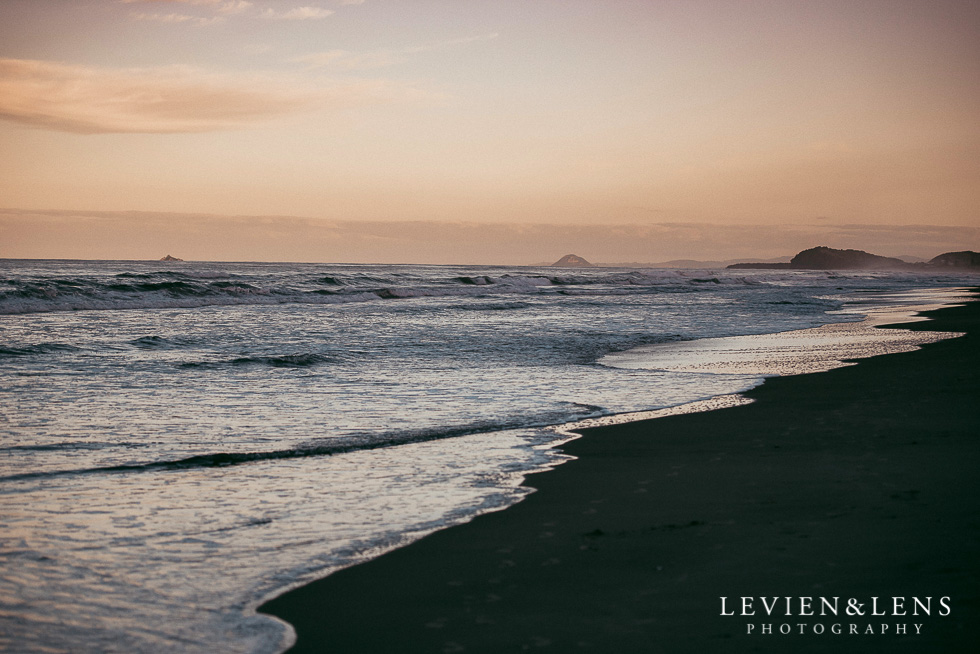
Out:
{"x": 170, "y": 289}
{"x": 40, "y": 348}
{"x": 279, "y": 361}
{"x": 331, "y": 446}
{"x": 264, "y": 284}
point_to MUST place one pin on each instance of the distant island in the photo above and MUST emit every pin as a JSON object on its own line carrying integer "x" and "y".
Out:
{"x": 572, "y": 261}
{"x": 689, "y": 264}
{"x": 818, "y": 258}
{"x": 170, "y": 258}
{"x": 959, "y": 260}
{"x": 824, "y": 258}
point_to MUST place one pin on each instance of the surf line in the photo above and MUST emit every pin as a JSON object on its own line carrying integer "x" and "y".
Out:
{"x": 570, "y": 430}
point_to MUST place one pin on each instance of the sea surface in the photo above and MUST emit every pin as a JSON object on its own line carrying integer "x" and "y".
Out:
{"x": 180, "y": 441}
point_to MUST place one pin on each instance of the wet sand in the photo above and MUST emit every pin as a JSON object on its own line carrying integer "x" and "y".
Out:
{"x": 855, "y": 483}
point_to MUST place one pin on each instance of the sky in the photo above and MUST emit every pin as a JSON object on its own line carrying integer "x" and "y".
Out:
{"x": 467, "y": 131}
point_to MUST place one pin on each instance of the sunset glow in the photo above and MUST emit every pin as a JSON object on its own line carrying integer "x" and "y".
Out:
{"x": 490, "y": 132}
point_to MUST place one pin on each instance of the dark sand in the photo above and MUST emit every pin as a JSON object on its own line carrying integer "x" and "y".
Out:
{"x": 862, "y": 481}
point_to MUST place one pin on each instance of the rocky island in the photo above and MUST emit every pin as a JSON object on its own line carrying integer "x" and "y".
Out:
{"x": 572, "y": 261}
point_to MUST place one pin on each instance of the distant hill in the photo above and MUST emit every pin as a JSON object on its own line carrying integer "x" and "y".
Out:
{"x": 170, "y": 258}
{"x": 572, "y": 261}
{"x": 818, "y": 258}
{"x": 824, "y": 258}
{"x": 959, "y": 260}
{"x": 689, "y": 263}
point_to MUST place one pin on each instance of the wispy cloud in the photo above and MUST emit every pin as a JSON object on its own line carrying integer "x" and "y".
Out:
{"x": 217, "y": 9}
{"x": 90, "y": 100}
{"x": 179, "y": 2}
{"x": 298, "y": 13}
{"x": 346, "y": 60}
{"x": 234, "y": 7}
{"x": 179, "y": 18}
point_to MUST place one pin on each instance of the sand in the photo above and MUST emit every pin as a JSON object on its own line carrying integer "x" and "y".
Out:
{"x": 855, "y": 483}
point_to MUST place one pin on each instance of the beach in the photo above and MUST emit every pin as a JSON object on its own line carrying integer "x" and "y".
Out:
{"x": 360, "y": 327}
{"x": 858, "y": 483}
{"x": 188, "y": 441}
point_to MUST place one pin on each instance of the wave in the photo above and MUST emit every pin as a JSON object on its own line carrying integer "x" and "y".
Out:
{"x": 171, "y": 274}
{"x": 274, "y": 285}
{"x": 70, "y": 446}
{"x": 154, "y": 342}
{"x": 26, "y": 297}
{"x": 805, "y": 301}
{"x": 478, "y": 280}
{"x": 39, "y": 348}
{"x": 278, "y": 361}
{"x": 329, "y": 447}
{"x": 495, "y": 306}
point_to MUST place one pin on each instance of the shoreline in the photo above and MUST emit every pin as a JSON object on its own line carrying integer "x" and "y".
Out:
{"x": 855, "y": 482}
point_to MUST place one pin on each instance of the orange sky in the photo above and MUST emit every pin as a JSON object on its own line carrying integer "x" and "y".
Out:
{"x": 755, "y": 125}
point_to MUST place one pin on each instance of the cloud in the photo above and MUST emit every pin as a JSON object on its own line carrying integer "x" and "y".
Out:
{"x": 181, "y": 2}
{"x": 91, "y": 100}
{"x": 218, "y": 7}
{"x": 346, "y": 60}
{"x": 298, "y": 13}
{"x": 234, "y": 7}
{"x": 179, "y": 18}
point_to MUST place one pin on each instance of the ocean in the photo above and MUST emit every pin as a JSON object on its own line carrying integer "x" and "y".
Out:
{"x": 181, "y": 441}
